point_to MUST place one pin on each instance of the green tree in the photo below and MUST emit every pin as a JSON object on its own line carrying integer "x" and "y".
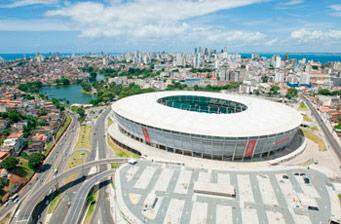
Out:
{"x": 41, "y": 111}
{"x": 63, "y": 81}
{"x": 86, "y": 86}
{"x": 58, "y": 104}
{"x": 13, "y": 115}
{"x": 10, "y": 163}
{"x": 81, "y": 112}
{"x": 35, "y": 160}
{"x": 32, "y": 122}
{"x": 292, "y": 92}
{"x": 274, "y": 90}
{"x": 92, "y": 77}
{"x": 264, "y": 79}
{"x": 32, "y": 87}
{"x": 3, "y": 182}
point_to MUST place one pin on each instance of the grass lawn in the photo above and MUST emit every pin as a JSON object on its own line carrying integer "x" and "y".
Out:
{"x": 84, "y": 140}
{"x": 63, "y": 127}
{"x": 91, "y": 207}
{"x": 302, "y": 107}
{"x": 313, "y": 137}
{"x": 115, "y": 165}
{"x": 314, "y": 128}
{"x": 6, "y": 219}
{"x": 59, "y": 134}
{"x": 308, "y": 162}
{"x": 119, "y": 151}
{"x": 307, "y": 118}
{"x": 54, "y": 203}
{"x": 109, "y": 121}
{"x": 23, "y": 169}
{"x": 77, "y": 158}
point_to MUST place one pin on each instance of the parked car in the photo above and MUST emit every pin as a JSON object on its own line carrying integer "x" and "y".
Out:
{"x": 306, "y": 180}
{"x": 285, "y": 177}
{"x": 132, "y": 161}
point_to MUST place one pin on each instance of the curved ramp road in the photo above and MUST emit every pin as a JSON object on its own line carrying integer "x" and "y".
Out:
{"x": 75, "y": 212}
{"x": 25, "y": 211}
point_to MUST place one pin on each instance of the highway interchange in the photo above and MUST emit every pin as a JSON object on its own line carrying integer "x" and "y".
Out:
{"x": 45, "y": 183}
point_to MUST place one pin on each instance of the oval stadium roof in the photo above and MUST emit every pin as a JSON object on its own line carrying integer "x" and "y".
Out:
{"x": 262, "y": 117}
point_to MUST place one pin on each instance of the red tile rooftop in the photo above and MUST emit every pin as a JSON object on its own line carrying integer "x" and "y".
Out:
{"x": 15, "y": 135}
{"x": 39, "y": 137}
{"x": 8, "y": 101}
{"x": 3, "y": 155}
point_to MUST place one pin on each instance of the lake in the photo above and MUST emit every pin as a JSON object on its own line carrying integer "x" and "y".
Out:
{"x": 71, "y": 93}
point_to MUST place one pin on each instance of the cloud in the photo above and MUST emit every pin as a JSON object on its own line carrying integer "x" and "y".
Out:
{"x": 336, "y": 10}
{"x": 304, "y": 35}
{"x": 154, "y": 20}
{"x": 292, "y": 2}
{"x": 271, "y": 42}
{"x": 22, "y": 3}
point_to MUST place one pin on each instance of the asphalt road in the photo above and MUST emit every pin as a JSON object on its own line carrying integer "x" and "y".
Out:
{"x": 57, "y": 159}
{"x": 60, "y": 149}
{"x": 76, "y": 210}
{"x": 99, "y": 146}
{"x": 24, "y": 213}
{"x": 331, "y": 140}
{"x": 102, "y": 209}
{"x": 59, "y": 214}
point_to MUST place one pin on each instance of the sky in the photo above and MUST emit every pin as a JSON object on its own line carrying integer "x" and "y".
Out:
{"x": 30, "y": 26}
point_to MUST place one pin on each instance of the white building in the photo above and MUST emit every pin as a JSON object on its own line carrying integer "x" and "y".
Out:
{"x": 279, "y": 77}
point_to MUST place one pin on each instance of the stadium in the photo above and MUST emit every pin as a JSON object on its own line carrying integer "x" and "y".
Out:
{"x": 207, "y": 125}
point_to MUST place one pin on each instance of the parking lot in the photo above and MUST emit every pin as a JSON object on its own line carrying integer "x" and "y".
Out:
{"x": 156, "y": 192}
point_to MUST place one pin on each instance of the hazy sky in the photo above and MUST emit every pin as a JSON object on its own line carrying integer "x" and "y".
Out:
{"x": 172, "y": 25}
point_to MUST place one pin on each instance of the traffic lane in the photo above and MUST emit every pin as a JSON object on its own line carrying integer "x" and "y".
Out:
{"x": 77, "y": 205}
{"x": 36, "y": 196}
{"x": 30, "y": 185}
{"x": 324, "y": 128}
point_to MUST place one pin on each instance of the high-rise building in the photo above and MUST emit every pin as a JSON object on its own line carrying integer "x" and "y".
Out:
{"x": 276, "y": 61}
{"x": 223, "y": 73}
{"x": 179, "y": 59}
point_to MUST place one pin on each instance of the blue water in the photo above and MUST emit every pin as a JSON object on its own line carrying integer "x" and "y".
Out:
{"x": 317, "y": 57}
{"x": 32, "y": 55}
{"x": 9, "y": 57}
{"x": 71, "y": 93}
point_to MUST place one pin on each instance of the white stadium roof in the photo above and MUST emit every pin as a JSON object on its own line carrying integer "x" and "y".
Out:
{"x": 262, "y": 117}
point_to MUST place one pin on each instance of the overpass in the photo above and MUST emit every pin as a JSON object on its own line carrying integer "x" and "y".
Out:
{"x": 74, "y": 214}
{"x": 25, "y": 211}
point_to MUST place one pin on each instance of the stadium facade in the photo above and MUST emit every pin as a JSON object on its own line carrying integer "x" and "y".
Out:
{"x": 207, "y": 125}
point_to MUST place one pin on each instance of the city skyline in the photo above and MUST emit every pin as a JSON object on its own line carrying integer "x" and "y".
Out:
{"x": 149, "y": 25}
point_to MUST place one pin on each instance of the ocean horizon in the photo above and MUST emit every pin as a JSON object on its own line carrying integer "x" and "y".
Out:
{"x": 317, "y": 57}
